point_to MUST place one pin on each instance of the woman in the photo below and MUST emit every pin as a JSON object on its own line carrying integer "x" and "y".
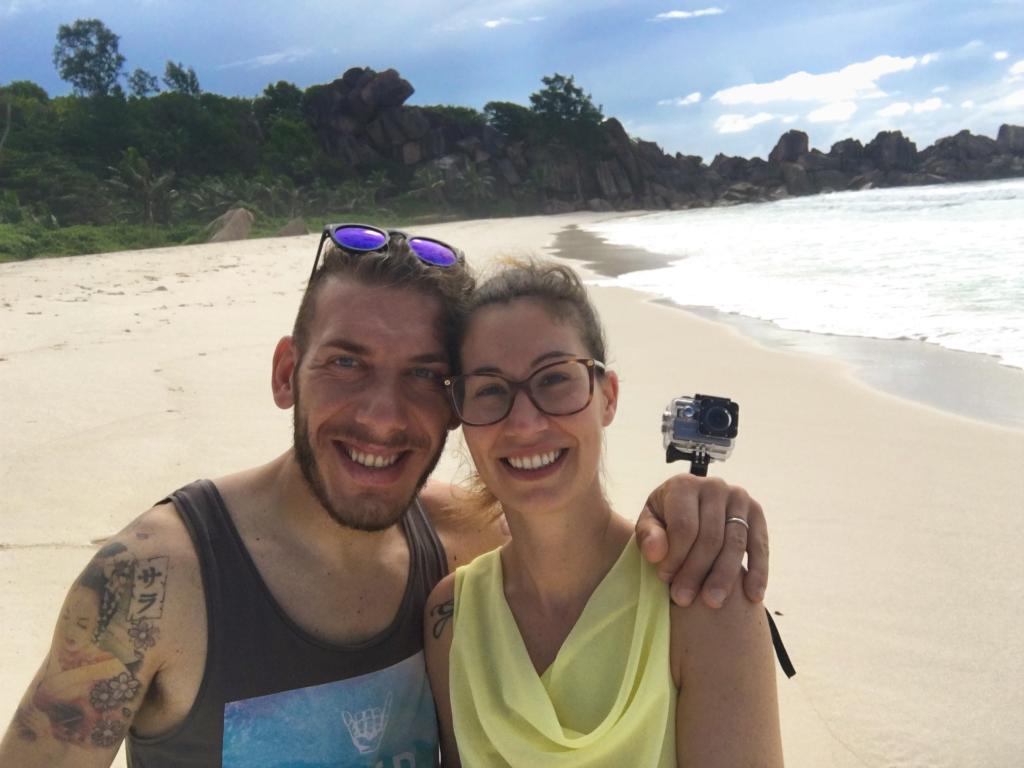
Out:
{"x": 562, "y": 648}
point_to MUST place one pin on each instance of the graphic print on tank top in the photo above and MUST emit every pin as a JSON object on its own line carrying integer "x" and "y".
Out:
{"x": 384, "y": 719}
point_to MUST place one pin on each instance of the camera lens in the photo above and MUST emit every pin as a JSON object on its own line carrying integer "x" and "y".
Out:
{"x": 717, "y": 419}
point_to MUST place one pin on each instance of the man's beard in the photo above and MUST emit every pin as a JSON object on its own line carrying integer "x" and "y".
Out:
{"x": 361, "y": 514}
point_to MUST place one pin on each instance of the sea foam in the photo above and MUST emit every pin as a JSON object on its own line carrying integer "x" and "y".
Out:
{"x": 942, "y": 264}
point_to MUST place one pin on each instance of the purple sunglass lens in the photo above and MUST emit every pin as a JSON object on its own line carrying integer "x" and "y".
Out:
{"x": 359, "y": 238}
{"x": 433, "y": 252}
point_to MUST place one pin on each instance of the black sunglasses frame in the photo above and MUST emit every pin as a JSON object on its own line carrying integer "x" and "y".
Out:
{"x": 594, "y": 367}
{"x": 389, "y": 235}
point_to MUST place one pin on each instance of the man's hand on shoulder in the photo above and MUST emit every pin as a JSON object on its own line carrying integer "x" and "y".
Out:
{"x": 467, "y": 529}
{"x": 690, "y": 528}
{"x": 109, "y": 643}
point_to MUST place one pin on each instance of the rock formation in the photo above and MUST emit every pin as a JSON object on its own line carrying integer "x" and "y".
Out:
{"x": 361, "y": 119}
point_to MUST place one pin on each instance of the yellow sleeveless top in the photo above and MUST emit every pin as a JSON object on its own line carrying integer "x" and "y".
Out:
{"x": 608, "y": 698}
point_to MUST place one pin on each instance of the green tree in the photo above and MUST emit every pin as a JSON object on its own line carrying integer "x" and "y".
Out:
{"x": 134, "y": 179}
{"x": 514, "y": 120}
{"x": 289, "y": 148}
{"x": 280, "y": 99}
{"x": 461, "y": 115}
{"x": 181, "y": 80}
{"x": 141, "y": 83}
{"x": 562, "y": 101}
{"x": 473, "y": 187}
{"x": 7, "y": 124}
{"x": 428, "y": 183}
{"x": 86, "y": 55}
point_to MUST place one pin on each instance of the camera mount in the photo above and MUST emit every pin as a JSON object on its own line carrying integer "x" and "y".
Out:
{"x": 699, "y": 459}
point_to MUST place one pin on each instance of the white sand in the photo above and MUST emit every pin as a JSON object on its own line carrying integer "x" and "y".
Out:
{"x": 894, "y": 526}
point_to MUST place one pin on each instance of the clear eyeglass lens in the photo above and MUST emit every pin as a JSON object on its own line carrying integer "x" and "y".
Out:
{"x": 558, "y": 390}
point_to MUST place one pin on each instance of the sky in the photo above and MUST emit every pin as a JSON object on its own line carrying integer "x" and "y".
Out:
{"x": 696, "y": 76}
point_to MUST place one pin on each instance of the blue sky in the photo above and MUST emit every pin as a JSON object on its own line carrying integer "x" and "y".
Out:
{"x": 698, "y": 77}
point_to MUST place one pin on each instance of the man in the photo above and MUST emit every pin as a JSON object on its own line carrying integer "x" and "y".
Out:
{"x": 274, "y": 617}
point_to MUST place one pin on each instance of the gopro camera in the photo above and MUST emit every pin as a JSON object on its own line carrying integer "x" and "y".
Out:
{"x": 699, "y": 429}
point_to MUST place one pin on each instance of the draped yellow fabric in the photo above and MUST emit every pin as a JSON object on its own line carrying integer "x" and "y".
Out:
{"x": 608, "y": 699}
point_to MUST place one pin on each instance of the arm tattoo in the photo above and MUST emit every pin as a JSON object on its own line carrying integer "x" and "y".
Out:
{"x": 89, "y": 691}
{"x": 443, "y": 612}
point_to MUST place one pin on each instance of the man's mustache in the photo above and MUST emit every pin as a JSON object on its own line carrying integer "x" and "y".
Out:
{"x": 398, "y": 441}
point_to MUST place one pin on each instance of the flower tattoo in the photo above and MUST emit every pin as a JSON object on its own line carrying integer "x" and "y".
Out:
{"x": 102, "y": 696}
{"x": 144, "y": 634}
{"x": 107, "y": 733}
{"x": 112, "y": 693}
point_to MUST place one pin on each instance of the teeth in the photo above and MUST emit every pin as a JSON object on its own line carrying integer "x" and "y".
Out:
{"x": 371, "y": 460}
{"x": 534, "y": 462}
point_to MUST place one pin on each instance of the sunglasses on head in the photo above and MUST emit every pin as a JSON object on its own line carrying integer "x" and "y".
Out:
{"x": 362, "y": 238}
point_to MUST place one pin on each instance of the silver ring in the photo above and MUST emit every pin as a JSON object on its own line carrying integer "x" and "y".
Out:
{"x": 739, "y": 520}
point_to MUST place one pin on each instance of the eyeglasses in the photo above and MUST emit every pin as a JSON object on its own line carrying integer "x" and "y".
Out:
{"x": 362, "y": 238}
{"x": 558, "y": 389}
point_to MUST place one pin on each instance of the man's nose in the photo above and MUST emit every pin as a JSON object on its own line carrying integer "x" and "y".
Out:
{"x": 382, "y": 406}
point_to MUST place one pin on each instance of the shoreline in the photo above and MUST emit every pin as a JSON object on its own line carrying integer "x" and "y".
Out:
{"x": 971, "y": 385}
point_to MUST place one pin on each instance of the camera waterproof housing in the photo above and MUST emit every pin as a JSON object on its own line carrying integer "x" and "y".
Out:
{"x": 699, "y": 429}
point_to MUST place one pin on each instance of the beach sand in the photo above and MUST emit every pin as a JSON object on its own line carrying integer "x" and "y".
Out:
{"x": 895, "y": 577}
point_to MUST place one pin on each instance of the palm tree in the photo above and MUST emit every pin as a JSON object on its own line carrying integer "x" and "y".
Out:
{"x": 428, "y": 182}
{"x": 133, "y": 179}
{"x": 474, "y": 187}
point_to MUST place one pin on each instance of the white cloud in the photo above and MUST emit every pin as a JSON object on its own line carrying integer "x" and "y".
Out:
{"x": 928, "y": 58}
{"x": 895, "y": 109}
{"x": 669, "y": 15}
{"x": 286, "y": 56}
{"x": 836, "y": 112}
{"x": 682, "y": 101}
{"x": 1014, "y": 100}
{"x": 1001, "y": 55}
{"x": 969, "y": 104}
{"x": 740, "y": 123}
{"x": 787, "y": 119}
{"x": 928, "y": 105}
{"x": 1017, "y": 69}
{"x": 940, "y": 89}
{"x": 505, "y": 21}
{"x": 855, "y": 81}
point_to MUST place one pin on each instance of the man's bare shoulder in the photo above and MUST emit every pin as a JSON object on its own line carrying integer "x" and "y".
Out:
{"x": 156, "y": 555}
{"x": 158, "y": 530}
{"x": 465, "y": 531}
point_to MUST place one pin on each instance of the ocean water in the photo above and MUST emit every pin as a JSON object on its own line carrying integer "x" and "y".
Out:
{"x": 941, "y": 264}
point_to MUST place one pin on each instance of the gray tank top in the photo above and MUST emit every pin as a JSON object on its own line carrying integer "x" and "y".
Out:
{"x": 274, "y": 696}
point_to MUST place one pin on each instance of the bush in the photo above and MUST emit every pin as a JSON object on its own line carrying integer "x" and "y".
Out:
{"x": 28, "y": 241}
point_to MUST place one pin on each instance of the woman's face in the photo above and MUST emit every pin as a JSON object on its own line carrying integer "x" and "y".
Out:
{"x": 80, "y": 618}
{"x": 530, "y": 460}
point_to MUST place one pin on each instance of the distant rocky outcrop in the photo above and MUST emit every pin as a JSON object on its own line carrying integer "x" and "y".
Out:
{"x": 361, "y": 119}
{"x": 233, "y": 225}
{"x": 296, "y": 226}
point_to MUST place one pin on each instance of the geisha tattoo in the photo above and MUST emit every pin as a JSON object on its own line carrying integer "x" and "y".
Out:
{"x": 89, "y": 691}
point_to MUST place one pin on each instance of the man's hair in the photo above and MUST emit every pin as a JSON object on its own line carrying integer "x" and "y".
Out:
{"x": 395, "y": 267}
{"x": 557, "y": 287}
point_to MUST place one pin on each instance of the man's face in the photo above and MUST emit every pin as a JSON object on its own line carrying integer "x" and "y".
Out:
{"x": 371, "y": 414}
